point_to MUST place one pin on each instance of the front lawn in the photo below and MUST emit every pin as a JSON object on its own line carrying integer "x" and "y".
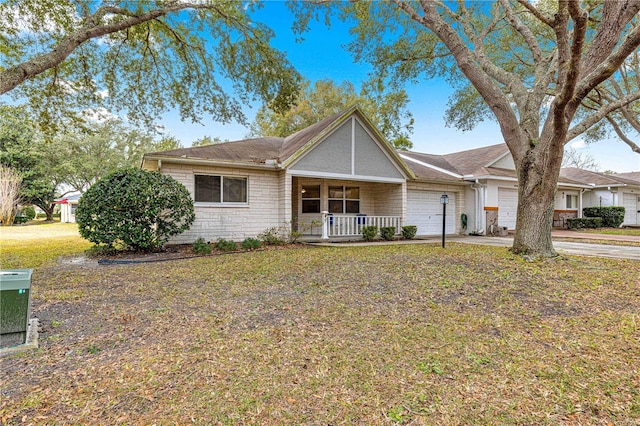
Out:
{"x": 39, "y": 243}
{"x": 613, "y": 231}
{"x": 409, "y": 334}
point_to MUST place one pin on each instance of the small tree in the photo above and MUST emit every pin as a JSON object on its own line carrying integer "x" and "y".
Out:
{"x": 134, "y": 209}
{"x": 10, "y": 182}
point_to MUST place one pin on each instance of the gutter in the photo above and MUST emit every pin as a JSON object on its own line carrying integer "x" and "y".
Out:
{"x": 269, "y": 164}
{"x": 478, "y": 188}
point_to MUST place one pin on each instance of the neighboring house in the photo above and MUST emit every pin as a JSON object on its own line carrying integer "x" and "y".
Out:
{"x": 619, "y": 189}
{"x": 344, "y": 174}
{"x": 68, "y": 205}
{"x": 492, "y": 187}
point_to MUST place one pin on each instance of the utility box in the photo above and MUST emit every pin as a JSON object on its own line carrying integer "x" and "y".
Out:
{"x": 503, "y": 231}
{"x": 15, "y": 306}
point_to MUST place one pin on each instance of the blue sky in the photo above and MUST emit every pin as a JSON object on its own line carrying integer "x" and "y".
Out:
{"x": 321, "y": 56}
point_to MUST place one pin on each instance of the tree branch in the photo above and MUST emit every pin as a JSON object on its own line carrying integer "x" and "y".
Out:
{"x": 604, "y": 58}
{"x": 13, "y": 76}
{"x": 601, "y": 113}
{"x": 465, "y": 59}
{"x": 531, "y": 8}
{"x": 524, "y": 30}
{"x": 634, "y": 147}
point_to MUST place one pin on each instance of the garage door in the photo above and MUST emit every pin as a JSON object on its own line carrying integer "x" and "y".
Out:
{"x": 507, "y": 207}
{"x": 425, "y": 211}
{"x": 631, "y": 203}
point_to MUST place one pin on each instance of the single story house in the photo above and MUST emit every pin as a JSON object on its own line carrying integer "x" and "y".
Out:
{"x": 619, "y": 189}
{"x": 68, "y": 205}
{"x": 342, "y": 173}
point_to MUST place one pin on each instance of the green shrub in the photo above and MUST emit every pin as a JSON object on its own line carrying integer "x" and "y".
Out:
{"x": 369, "y": 232}
{"x": 226, "y": 245}
{"x": 17, "y": 220}
{"x": 29, "y": 212}
{"x": 409, "y": 231}
{"x": 612, "y": 217}
{"x": 251, "y": 243}
{"x": 584, "y": 222}
{"x": 387, "y": 232}
{"x": 134, "y": 209}
{"x": 200, "y": 246}
{"x": 273, "y": 236}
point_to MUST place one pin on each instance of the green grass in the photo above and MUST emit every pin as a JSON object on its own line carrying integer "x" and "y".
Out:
{"x": 39, "y": 244}
{"x": 407, "y": 334}
{"x": 613, "y": 231}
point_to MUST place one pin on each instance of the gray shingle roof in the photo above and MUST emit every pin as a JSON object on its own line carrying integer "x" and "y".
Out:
{"x": 600, "y": 179}
{"x": 246, "y": 151}
{"x": 256, "y": 150}
{"x": 470, "y": 163}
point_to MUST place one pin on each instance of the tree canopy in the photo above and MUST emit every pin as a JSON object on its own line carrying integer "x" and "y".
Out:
{"x": 388, "y": 111}
{"x": 88, "y": 153}
{"x": 27, "y": 154}
{"x": 536, "y": 67}
{"x": 141, "y": 58}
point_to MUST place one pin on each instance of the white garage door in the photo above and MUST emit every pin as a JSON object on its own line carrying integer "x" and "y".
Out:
{"x": 425, "y": 211}
{"x": 507, "y": 207}
{"x": 631, "y": 203}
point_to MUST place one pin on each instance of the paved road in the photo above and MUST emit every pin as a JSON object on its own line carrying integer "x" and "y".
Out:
{"x": 562, "y": 247}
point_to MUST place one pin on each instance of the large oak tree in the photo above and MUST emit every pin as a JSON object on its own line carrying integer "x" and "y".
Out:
{"x": 140, "y": 57}
{"x": 535, "y": 66}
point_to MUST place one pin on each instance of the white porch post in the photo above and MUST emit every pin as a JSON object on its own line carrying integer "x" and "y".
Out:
{"x": 285, "y": 198}
{"x": 325, "y": 225}
{"x": 580, "y": 203}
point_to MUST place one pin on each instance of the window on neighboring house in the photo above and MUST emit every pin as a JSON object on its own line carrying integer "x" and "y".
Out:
{"x": 572, "y": 201}
{"x": 310, "y": 198}
{"x": 220, "y": 189}
{"x": 344, "y": 199}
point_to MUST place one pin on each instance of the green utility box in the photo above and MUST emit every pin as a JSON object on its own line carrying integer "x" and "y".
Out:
{"x": 15, "y": 304}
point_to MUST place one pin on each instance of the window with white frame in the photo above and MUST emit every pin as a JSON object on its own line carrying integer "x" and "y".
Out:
{"x": 572, "y": 201}
{"x": 310, "y": 198}
{"x": 344, "y": 199}
{"x": 220, "y": 189}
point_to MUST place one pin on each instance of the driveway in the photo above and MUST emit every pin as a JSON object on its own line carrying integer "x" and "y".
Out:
{"x": 585, "y": 248}
{"x": 562, "y": 247}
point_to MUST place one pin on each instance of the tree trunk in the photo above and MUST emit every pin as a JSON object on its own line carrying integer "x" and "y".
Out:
{"x": 48, "y": 210}
{"x": 538, "y": 175}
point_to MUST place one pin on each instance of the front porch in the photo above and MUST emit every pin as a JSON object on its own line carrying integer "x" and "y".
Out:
{"x": 331, "y": 208}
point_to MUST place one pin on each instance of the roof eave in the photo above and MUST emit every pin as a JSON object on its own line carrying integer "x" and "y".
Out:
{"x": 269, "y": 165}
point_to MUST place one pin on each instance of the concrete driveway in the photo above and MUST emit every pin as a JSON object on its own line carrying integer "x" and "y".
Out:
{"x": 562, "y": 247}
{"x": 586, "y": 248}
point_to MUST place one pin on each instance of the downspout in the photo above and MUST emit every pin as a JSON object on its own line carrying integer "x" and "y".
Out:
{"x": 478, "y": 230}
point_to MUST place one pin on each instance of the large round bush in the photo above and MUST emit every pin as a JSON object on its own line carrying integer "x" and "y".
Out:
{"x": 134, "y": 209}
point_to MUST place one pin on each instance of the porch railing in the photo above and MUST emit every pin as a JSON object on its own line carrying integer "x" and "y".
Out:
{"x": 349, "y": 226}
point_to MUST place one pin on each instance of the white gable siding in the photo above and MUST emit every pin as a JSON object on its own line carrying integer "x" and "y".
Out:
{"x": 370, "y": 160}
{"x": 505, "y": 162}
{"x": 348, "y": 152}
{"x": 237, "y": 222}
{"x": 333, "y": 155}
